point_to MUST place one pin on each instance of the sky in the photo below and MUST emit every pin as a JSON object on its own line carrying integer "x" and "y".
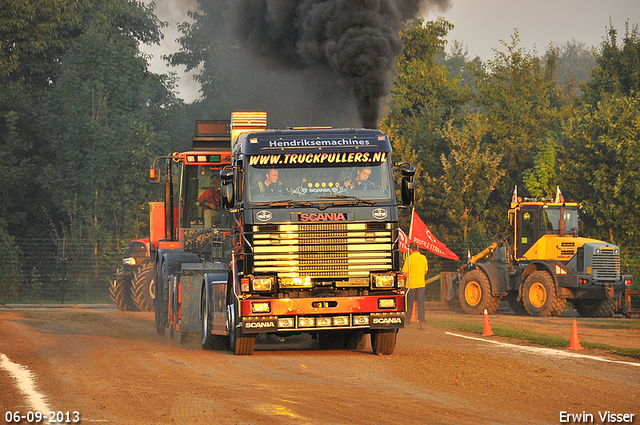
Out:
{"x": 479, "y": 25}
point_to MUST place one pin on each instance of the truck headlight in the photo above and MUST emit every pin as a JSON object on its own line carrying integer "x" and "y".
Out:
{"x": 384, "y": 281}
{"x": 262, "y": 284}
{"x": 261, "y": 307}
{"x": 296, "y": 282}
{"x": 386, "y": 303}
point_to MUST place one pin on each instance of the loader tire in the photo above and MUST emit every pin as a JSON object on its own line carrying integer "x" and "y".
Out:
{"x": 595, "y": 308}
{"x": 143, "y": 287}
{"x": 539, "y": 296}
{"x": 355, "y": 340}
{"x": 331, "y": 341}
{"x": 383, "y": 341}
{"x": 120, "y": 291}
{"x": 475, "y": 295}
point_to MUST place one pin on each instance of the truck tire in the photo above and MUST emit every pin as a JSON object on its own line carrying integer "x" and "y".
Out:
{"x": 241, "y": 344}
{"x": 595, "y": 308}
{"x": 383, "y": 341}
{"x": 143, "y": 287}
{"x": 539, "y": 295}
{"x": 208, "y": 341}
{"x": 161, "y": 300}
{"x": 331, "y": 341}
{"x": 517, "y": 306}
{"x": 120, "y": 291}
{"x": 475, "y": 295}
{"x": 355, "y": 340}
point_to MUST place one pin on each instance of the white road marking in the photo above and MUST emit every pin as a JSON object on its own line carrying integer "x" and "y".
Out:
{"x": 546, "y": 351}
{"x": 25, "y": 383}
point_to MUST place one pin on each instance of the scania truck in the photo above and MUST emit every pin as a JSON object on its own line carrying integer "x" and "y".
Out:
{"x": 281, "y": 232}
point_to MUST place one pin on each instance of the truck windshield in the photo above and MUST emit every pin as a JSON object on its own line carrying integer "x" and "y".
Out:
{"x": 371, "y": 182}
{"x": 201, "y": 198}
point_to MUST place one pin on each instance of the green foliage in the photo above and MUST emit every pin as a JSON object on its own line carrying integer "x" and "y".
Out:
{"x": 10, "y": 266}
{"x": 538, "y": 180}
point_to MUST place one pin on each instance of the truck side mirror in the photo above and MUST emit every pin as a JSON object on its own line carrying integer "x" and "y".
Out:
{"x": 408, "y": 185}
{"x": 154, "y": 175}
{"x": 226, "y": 190}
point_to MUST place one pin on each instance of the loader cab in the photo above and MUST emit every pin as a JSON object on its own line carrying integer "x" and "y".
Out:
{"x": 533, "y": 220}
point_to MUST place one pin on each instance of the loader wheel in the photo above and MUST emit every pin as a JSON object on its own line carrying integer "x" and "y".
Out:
{"x": 120, "y": 291}
{"x": 241, "y": 344}
{"x": 517, "y": 306}
{"x": 595, "y": 308}
{"x": 475, "y": 294}
{"x": 383, "y": 341}
{"x": 143, "y": 287}
{"x": 161, "y": 301}
{"x": 208, "y": 341}
{"x": 331, "y": 341}
{"x": 539, "y": 296}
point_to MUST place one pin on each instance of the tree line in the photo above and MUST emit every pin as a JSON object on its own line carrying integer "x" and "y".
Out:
{"x": 82, "y": 118}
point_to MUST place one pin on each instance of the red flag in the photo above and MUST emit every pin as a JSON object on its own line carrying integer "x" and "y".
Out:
{"x": 422, "y": 236}
{"x": 403, "y": 242}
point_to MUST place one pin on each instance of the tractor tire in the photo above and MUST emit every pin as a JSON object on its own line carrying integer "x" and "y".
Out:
{"x": 475, "y": 295}
{"x": 595, "y": 308}
{"x": 539, "y": 296}
{"x": 355, "y": 340}
{"x": 161, "y": 301}
{"x": 383, "y": 341}
{"x": 143, "y": 287}
{"x": 120, "y": 291}
{"x": 517, "y": 306}
{"x": 209, "y": 341}
{"x": 241, "y": 344}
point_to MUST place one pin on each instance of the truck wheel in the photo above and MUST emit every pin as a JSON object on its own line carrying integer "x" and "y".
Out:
{"x": 383, "y": 341}
{"x": 120, "y": 291}
{"x": 539, "y": 296}
{"x": 241, "y": 344}
{"x": 355, "y": 340}
{"x": 143, "y": 287}
{"x": 475, "y": 295}
{"x": 517, "y": 306}
{"x": 161, "y": 300}
{"x": 209, "y": 342}
{"x": 595, "y": 308}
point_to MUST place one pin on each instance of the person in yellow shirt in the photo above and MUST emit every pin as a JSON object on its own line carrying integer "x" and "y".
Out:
{"x": 415, "y": 269}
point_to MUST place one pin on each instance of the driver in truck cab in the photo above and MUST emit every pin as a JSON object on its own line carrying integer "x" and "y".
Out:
{"x": 270, "y": 186}
{"x": 361, "y": 181}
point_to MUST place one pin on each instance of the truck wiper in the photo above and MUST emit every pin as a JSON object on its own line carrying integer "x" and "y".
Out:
{"x": 354, "y": 198}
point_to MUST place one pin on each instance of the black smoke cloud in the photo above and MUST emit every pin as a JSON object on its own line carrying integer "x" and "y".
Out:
{"x": 349, "y": 46}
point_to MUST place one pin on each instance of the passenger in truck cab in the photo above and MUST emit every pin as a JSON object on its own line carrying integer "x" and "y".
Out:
{"x": 361, "y": 181}
{"x": 270, "y": 186}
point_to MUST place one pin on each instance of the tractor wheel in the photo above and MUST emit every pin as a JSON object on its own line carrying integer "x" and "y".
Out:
{"x": 475, "y": 294}
{"x": 120, "y": 291}
{"x": 143, "y": 287}
{"x": 355, "y": 340}
{"x": 517, "y": 306}
{"x": 161, "y": 301}
{"x": 241, "y": 344}
{"x": 383, "y": 341}
{"x": 539, "y": 296}
{"x": 209, "y": 342}
{"x": 595, "y": 308}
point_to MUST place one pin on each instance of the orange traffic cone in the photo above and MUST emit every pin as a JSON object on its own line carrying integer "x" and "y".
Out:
{"x": 414, "y": 318}
{"x": 486, "y": 327}
{"x": 575, "y": 340}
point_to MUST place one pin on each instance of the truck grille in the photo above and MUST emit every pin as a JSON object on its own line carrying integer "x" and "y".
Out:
{"x": 323, "y": 250}
{"x": 606, "y": 265}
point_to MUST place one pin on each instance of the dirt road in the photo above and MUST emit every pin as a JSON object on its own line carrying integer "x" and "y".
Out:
{"x": 113, "y": 368}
